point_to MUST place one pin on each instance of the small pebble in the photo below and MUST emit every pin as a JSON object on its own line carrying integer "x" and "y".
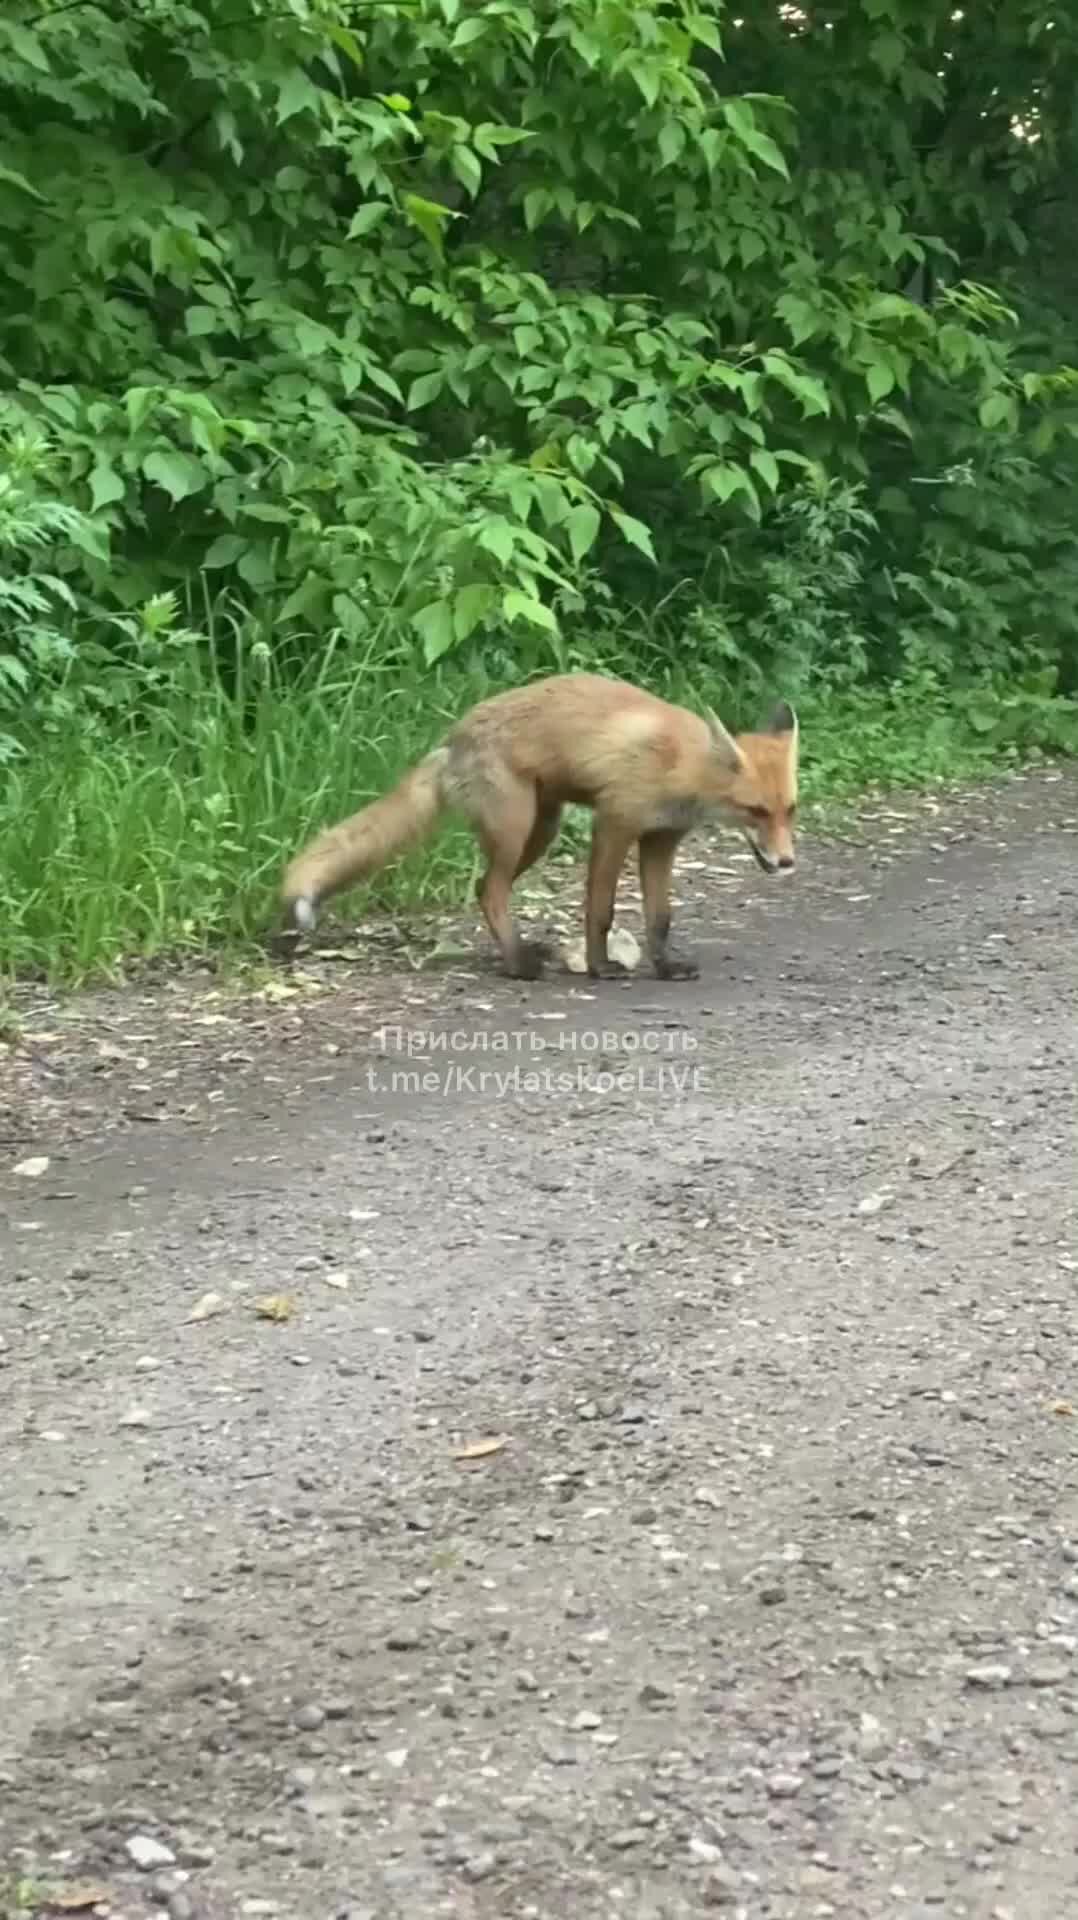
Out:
{"x": 990, "y": 1674}
{"x": 310, "y": 1718}
{"x": 148, "y": 1853}
{"x": 195, "y": 1853}
{"x": 705, "y": 1851}
{"x": 721, "y": 1887}
{"x": 784, "y": 1786}
{"x": 1048, "y": 1673}
{"x": 654, "y": 1694}
{"x": 872, "y": 1204}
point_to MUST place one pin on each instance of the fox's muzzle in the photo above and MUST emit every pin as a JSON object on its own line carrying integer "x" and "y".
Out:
{"x": 768, "y": 862}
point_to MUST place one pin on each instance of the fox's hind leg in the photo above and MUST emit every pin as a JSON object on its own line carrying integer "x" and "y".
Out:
{"x": 513, "y": 832}
{"x": 542, "y": 835}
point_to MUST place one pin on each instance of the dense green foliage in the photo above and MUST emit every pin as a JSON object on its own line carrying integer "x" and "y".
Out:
{"x": 403, "y": 349}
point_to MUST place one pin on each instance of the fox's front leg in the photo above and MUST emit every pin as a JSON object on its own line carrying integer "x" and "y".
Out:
{"x": 657, "y": 852}
{"x": 609, "y": 845}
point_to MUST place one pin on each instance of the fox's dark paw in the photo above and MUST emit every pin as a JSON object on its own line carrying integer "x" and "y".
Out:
{"x": 673, "y": 966}
{"x": 609, "y": 970}
{"x": 281, "y": 944}
{"x": 529, "y": 960}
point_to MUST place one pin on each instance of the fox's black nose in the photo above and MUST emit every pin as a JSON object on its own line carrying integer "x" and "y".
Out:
{"x": 786, "y": 863}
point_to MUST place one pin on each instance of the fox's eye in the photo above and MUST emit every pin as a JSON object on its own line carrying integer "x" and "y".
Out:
{"x": 758, "y": 813}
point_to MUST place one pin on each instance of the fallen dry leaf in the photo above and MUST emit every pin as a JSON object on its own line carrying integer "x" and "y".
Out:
{"x": 278, "y": 990}
{"x": 275, "y": 1306}
{"x": 446, "y": 949}
{"x": 1061, "y": 1406}
{"x": 480, "y": 1449}
{"x": 209, "y": 1305}
{"x": 76, "y": 1899}
{"x": 34, "y": 1168}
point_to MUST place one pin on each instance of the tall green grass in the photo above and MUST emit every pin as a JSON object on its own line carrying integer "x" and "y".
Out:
{"x": 155, "y": 834}
{"x": 168, "y": 834}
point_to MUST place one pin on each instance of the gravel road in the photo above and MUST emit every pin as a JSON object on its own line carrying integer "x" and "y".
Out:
{"x": 560, "y": 1452}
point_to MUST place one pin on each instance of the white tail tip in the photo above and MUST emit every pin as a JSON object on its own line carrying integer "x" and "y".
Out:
{"x": 304, "y": 915}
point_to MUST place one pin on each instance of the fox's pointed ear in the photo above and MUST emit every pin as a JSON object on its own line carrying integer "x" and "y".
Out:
{"x": 725, "y": 745}
{"x": 783, "y": 719}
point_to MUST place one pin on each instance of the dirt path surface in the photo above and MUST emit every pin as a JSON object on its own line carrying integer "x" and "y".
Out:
{"x": 767, "y": 1600}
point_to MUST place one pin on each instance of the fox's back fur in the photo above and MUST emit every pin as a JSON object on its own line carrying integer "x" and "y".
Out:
{"x": 649, "y": 770}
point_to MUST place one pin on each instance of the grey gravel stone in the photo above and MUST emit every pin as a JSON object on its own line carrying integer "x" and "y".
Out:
{"x": 309, "y": 1718}
{"x": 704, "y": 1850}
{"x": 990, "y": 1675}
{"x": 721, "y": 1887}
{"x": 1048, "y": 1673}
{"x": 148, "y": 1853}
{"x": 480, "y": 1866}
{"x": 783, "y": 1786}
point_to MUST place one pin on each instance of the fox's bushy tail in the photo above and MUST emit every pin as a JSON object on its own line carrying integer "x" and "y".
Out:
{"x": 366, "y": 841}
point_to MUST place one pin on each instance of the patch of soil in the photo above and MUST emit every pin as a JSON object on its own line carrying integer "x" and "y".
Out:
{"x": 504, "y": 1450}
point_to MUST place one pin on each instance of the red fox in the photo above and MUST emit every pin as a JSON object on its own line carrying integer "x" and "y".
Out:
{"x": 648, "y": 770}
